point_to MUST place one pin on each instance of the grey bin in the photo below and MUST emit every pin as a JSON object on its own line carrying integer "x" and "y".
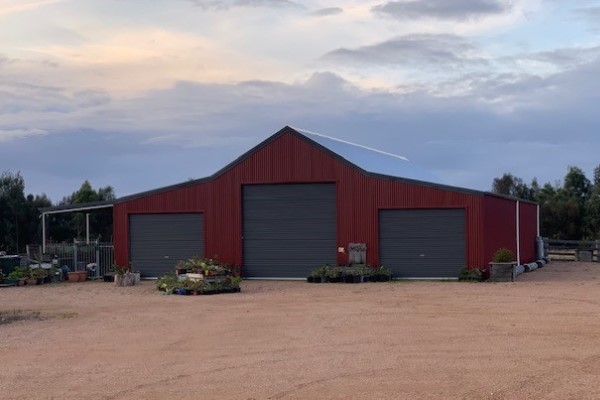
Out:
{"x": 9, "y": 263}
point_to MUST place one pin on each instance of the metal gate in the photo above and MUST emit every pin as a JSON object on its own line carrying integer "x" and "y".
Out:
{"x": 288, "y": 229}
{"x": 95, "y": 257}
{"x": 158, "y": 241}
{"x": 422, "y": 243}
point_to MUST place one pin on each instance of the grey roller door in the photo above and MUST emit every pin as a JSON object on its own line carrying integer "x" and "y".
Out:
{"x": 422, "y": 243}
{"x": 158, "y": 241}
{"x": 288, "y": 229}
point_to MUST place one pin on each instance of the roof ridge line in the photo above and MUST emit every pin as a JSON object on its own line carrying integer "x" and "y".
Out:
{"x": 300, "y": 130}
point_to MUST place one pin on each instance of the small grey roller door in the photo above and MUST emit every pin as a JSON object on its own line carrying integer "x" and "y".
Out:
{"x": 158, "y": 241}
{"x": 288, "y": 229}
{"x": 422, "y": 243}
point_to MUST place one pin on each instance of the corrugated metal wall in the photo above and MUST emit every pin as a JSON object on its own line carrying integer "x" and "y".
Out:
{"x": 292, "y": 159}
{"x": 500, "y": 227}
{"x": 528, "y": 217}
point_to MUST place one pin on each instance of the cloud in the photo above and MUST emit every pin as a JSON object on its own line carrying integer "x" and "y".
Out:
{"x": 590, "y": 14}
{"x": 12, "y": 7}
{"x": 15, "y": 134}
{"x": 442, "y": 9}
{"x": 435, "y": 51}
{"x": 227, "y": 4}
{"x": 324, "y": 12}
{"x": 165, "y": 132}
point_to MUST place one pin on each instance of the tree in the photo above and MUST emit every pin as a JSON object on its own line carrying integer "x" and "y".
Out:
{"x": 12, "y": 209}
{"x": 510, "y": 185}
{"x": 569, "y": 209}
{"x": 66, "y": 227}
{"x": 592, "y": 208}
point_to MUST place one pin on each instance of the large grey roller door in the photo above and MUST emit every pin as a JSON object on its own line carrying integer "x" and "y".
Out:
{"x": 158, "y": 241}
{"x": 288, "y": 229}
{"x": 422, "y": 243}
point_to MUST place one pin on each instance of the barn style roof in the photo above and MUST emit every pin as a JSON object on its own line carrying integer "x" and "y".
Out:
{"x": 372, "y": 161}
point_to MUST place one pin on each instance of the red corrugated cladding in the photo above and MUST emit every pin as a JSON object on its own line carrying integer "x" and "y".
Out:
{"x": 290, "y": 158}
{"x": 500, "y": 221}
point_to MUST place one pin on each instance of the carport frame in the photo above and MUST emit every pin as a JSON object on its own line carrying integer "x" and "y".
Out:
{"x": 69, "y": 209}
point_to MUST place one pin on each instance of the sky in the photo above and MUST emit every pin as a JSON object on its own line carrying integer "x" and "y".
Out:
{"x": 141, "y": 94}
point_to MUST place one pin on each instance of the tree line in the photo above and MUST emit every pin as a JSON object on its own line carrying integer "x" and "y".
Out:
{"x": 569, "y": 209}
{"x": 20, "y": 222}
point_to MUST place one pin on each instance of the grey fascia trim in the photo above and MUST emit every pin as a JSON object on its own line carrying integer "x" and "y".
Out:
{"x": 74, "y": 208}
{"x": 501, "y": 196}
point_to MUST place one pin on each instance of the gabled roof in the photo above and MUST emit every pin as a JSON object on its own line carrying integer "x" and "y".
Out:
{"x": 370, "y": 161}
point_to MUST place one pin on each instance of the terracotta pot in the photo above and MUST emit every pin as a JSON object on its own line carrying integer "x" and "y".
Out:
{"x": 82, "y": 276}
{"x": 73, "y": 276}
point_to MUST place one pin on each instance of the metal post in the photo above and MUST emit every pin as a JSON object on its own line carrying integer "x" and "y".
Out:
{"x": 43, "y": 232}
{"x": 538, "y": 220}
{"x": 87, "y": 228}
{"x": 75, "y": 257}
{"x": 518, "y": 236}
{"x": 97, "y": 261}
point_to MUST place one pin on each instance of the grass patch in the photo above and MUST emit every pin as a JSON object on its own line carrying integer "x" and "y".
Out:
{"x": 10, "y": 316}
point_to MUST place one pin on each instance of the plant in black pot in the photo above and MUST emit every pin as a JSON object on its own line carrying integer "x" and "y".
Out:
{"x": 334, "y": 274}
{"x": 320, "y": 274}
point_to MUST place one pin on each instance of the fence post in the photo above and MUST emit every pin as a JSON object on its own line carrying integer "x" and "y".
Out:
{"x": 97, "y": 260}
{"x": 74, "y": 257}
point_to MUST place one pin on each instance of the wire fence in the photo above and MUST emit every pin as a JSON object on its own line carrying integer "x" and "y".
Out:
{"x": 96, "y": 258}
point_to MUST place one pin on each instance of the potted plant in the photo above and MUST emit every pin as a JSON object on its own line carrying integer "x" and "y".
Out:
{"x": 31, "y": 278}
{"x": 320, "y": 274}
{"x": 167, "y": 283}
{"x": 19, "y": 276}
{"x": 181, "y": 267}
{"x": 123, "y": 277}
{"x": 39, "y": 274}
{"x": 334, "y": 275}
{"x": 502, "y": 266}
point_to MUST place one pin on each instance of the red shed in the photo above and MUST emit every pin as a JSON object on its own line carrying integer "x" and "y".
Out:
{"x": 297, "y": 200}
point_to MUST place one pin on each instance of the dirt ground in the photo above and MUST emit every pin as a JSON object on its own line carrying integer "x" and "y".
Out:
{"x": 533, "y": 339}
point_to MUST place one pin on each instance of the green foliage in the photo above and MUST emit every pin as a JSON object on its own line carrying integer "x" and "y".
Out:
{"x": 470, "y": 274}
{"x": 38, "y": 273}
{"x": 19, "y": 273}
{"x": 320, "y": 271}
{"x": 569, "y": 209}
{"x": 119, "y": 270}
{"x": 168, "y": 282}
{"x": 73, "y": 225}
{"x": 509, "y": 185}
{"x": 503, "y": 256}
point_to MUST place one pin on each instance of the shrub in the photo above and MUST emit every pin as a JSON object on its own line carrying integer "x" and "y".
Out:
{"x": 470, "y": 274}
{"x": 503, "y": 256}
